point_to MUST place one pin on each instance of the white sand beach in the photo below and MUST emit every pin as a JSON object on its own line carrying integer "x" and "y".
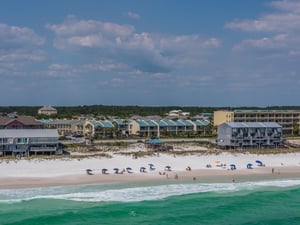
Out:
{"x": 49, "y": 172}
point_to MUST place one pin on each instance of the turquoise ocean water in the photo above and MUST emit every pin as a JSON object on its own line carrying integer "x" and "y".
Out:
{"x": 256, "y": 202}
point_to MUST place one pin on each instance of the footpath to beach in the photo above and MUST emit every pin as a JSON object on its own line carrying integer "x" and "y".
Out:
{"x": 42, "y": 172}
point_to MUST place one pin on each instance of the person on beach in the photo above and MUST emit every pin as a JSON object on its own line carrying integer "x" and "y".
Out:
{"x": 176, "y": 176}
{"x": 272, "y": 170}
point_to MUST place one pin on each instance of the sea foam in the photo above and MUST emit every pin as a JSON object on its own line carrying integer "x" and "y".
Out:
{"x": 93, "y": 193}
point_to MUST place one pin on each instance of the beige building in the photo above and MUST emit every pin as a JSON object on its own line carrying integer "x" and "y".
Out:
{"x": 99, "y": 128}
{"x": 288, "y": 119}
{"x": 65, "y": 127}
{"x": 222, "y": 117}
{"x": 47, "y": 110}
{"x": 152, "y": 128}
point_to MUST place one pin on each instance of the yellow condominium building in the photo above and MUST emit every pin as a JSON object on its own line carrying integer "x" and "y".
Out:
{"x": 223, "y": 116}
{"x": 288, "y": 119}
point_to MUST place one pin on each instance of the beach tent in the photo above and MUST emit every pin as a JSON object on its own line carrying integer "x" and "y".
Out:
{"x": 104, "y": 171}
{"x": 116, "y": 170}
{"x": 259, "y": 163}
{"x": 89, "y": 172}
{"x": 249, "y": 166}
{"x": 232, "y": 166}
{"x": 128, "y": 169}
{"x": 151, "y": 166}
{"x": 168, "y": 168}
{"x": 142, "y": 169}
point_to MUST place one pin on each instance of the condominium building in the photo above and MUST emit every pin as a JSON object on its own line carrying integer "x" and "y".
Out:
{"x": 223, "y": 116}
{"x": 28, "y": 141}
{"x": 159, "y": 128}
{"x": 288, "y": 119}
{"x": 99, "y": 128}
{"x": 65, "y": 127}
{"x": 251, "y": 134}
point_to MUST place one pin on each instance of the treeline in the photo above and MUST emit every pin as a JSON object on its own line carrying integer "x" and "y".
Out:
{"x": 128, "y": 111}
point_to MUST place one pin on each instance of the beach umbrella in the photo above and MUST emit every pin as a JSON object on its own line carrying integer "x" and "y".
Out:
{"x": 104, "y": 171}
{"x": 116, "y": 170}
{"x": 259, "y": 162}
{"x": 151, "y": 166}
{"x": 168, "y": 168}
{"x": 89, "y": 172}
{"x": 232, "y": 166}
{"x": 142, "y": 169}
{"x": 249, "y": 166}
{"x": 128, "y": 169}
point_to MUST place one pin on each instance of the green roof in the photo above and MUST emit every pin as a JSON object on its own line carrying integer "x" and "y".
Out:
{"x": 154, "y": 141}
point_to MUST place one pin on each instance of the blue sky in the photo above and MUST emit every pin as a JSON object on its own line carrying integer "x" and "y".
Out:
{"x": 150, "y": 52}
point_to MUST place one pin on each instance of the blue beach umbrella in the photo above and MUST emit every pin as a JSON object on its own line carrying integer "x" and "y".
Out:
{"x": 249, "y": 166}
{"x": 142, "y": 169}
{"x": 259, "y": 162}
{"x": 116, "y": 170}
{"x": 89, "y": 172}
{"x": 151, "y": 166}
{"x": 232, "y": 166}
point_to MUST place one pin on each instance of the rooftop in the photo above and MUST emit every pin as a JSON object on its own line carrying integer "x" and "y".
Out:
{"x": 252, "y": 124}
{"x": 25, "y": 120}
{"x": 28, "y": 133}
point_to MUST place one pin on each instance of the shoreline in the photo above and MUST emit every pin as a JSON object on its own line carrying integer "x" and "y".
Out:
{"x": 200, "y": 176}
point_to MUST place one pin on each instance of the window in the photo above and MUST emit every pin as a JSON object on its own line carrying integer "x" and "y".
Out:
{"x": 22, "y": 140}
{"x": 234, "y": 132}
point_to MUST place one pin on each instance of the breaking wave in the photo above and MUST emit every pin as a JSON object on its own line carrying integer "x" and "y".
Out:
{"x": 93, "y": 193}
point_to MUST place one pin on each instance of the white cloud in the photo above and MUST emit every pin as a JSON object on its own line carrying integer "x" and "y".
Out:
{"x": 86, "y": 41}
{"x": 24, "y": 56}
{"x": 115, "y": 82}
{"x": 133, "y": 15}
{"x": 18, "y": 37}
{"x": 286, "y": 19}
{"x": 287, "y": 5}
{"x": 72, "y": 26}
{"x": 281, "y": 22}
{"x": 279, "y": 41}
{"x": 19, "y": 48}
{"x": 280, "y": 30}
{"x": 144, "y": 51}
{"x": 63, "y": 70}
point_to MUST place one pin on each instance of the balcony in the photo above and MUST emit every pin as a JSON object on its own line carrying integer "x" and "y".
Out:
{"x": 43, "y": 149}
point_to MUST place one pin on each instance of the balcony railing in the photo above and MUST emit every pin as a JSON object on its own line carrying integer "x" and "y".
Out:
{"x": 43, "y": 149}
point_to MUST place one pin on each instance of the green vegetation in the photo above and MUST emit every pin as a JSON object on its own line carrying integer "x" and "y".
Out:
{"x": 107, "y": 150}
{"x": 126, "y": 111}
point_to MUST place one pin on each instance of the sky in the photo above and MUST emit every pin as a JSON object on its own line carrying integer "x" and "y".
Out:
{"x": 150, "y": 52}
